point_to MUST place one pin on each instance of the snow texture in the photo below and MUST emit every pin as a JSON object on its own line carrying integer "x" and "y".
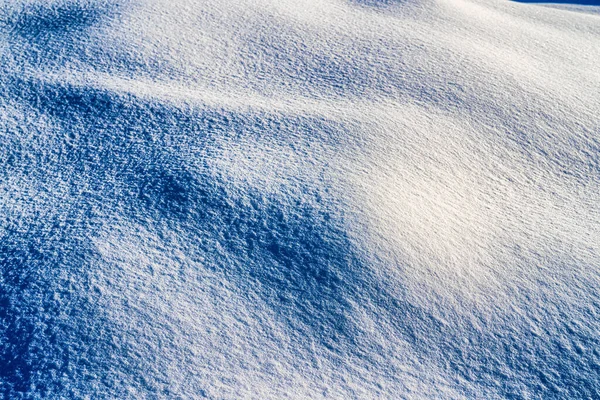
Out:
{"x": 299, "y": 199}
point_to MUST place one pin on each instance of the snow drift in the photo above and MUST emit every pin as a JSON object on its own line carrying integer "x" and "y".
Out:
{"x": 299, "y": 199}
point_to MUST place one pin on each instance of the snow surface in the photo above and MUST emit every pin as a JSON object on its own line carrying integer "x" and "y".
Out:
{"x": 303, "y": 199}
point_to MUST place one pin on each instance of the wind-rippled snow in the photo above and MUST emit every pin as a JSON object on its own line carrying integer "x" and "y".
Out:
{"x": 269, "y": 199}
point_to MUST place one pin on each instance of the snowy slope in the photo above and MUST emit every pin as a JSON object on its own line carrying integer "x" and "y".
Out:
{"x": 303, "y": 199}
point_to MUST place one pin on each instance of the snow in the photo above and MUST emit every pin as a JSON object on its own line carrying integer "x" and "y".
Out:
{"x": 270, "y": 199}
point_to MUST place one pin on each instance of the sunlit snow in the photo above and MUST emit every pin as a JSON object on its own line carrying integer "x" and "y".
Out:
{"x": 299, "y": 199}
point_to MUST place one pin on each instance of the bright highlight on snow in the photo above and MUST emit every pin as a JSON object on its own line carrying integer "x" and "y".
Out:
{"x": 299, "y": 199}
